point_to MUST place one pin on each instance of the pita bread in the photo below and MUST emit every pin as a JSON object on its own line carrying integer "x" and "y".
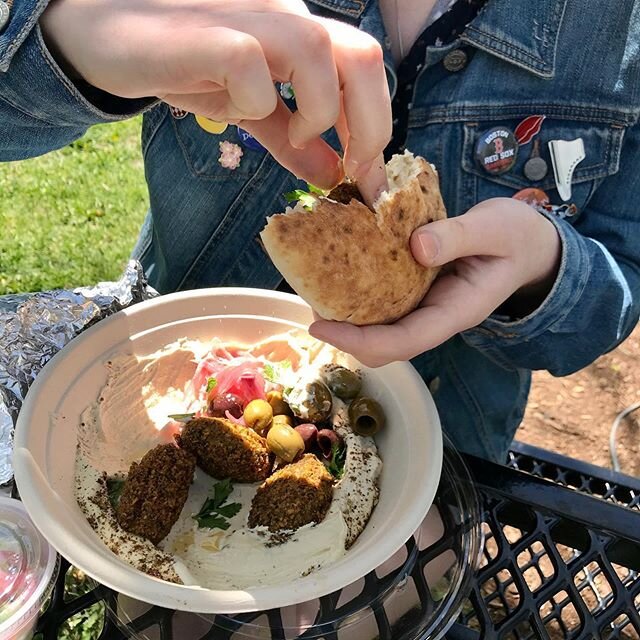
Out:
{"x": 353, "y": 264}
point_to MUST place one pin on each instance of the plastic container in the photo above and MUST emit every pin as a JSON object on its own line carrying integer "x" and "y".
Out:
{"x": 28, "y": 570}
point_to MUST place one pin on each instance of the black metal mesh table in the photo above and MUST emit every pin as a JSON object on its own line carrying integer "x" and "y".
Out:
{"x": 560, "y": 559}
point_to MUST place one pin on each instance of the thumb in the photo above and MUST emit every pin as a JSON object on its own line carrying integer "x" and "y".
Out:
{"x": 436, "y": 243}
{"x": 485, "y": 230}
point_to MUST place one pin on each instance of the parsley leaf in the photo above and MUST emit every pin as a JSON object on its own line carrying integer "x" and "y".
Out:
{"x": 181, "y": 417}
{"x": 335, "y": 466}
{"x": 213, "y": 515}
{"x": 230, "y": 510}
{"x": 221, "y": 491}
{"x": 212, "y": 522}
{"x": 211, "y": 382}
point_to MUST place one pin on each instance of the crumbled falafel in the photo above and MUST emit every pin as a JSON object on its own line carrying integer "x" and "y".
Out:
{"x": 224, "y": 449}
{"x": 345, "y": 192}
{"x": 293, "y": 496}
{"x": 155, "y": 491}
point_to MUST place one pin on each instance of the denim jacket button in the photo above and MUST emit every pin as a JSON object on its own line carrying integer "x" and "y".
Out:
{"x": 455, "y": 60}
{"x": 4, "y": 15}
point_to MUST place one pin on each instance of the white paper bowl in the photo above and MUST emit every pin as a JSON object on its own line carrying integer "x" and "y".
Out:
{"x": 410, "y": 445}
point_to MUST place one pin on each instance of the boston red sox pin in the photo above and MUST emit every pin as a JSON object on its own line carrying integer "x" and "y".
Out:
{"x": 497, "y": 150}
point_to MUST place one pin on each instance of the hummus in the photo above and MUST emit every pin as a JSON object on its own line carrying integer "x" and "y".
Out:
{"x": 130, "y": 417}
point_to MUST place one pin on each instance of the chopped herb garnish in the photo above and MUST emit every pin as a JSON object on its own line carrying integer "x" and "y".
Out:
{"x": 273, "y": 371}
{"x": 214, "y": 513}
{"x": 181, "y": 417}
{"x": 114, "y": 490}
{"x": 269, "y": 372}
{"x": 211, "y": 382}
{"x": 335, "y": 465}
{"x": 318, "y": 190}
{"x": 306, "y": 198}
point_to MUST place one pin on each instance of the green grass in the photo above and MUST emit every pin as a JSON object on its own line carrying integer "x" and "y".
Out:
{"x": 72, "y": 217}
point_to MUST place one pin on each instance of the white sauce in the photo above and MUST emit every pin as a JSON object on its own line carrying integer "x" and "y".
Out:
{"x": 239, "y": 557}
{"x": 131, "y": 419}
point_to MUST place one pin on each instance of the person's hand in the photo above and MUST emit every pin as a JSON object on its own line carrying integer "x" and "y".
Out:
{"x": 501, "y": 249}
{"x": 220, "y": 59}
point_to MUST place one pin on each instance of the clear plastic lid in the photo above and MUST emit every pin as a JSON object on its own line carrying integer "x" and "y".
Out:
{"x": 28, "y": 565}
{"x": 417, "y": 593}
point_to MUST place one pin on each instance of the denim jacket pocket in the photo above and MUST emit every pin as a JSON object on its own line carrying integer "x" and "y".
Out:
{"x": 202, "y": 150}
{"x": 602, "y": 144}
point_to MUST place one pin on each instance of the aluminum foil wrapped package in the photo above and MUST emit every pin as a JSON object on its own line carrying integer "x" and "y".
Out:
{"x": 35, "y": 326}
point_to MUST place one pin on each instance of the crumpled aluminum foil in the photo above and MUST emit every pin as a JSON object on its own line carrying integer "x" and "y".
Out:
{"x": 35, "y": 326}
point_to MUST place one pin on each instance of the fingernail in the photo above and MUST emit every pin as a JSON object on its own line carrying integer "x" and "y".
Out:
{"x": 429, "y": 246}
{"x": 297, "y": 144}
{"x": 351, "y": 169}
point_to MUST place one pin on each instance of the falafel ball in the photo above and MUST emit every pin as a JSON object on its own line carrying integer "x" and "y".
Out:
{"x": 155, "y": 491}
{"x": 293, "y": 496}
{"x": 224, "y": 449}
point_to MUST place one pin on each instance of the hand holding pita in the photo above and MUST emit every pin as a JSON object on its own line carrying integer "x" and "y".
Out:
{"x": 500, "y": 250}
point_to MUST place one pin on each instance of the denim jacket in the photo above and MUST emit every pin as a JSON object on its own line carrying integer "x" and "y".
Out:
{"x": 576, "y": 62}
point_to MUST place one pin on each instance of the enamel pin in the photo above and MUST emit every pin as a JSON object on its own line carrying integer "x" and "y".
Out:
{"x": 566, "y": 155}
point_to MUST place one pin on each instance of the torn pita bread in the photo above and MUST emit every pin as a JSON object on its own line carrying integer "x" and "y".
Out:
{"x": 353, "y": 264}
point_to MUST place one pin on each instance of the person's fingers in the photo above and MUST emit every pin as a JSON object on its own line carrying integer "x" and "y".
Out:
{"x": 367, "y": 104}
{"x": 311, "y": 69}
{"x": 215, "y": 106}
{"x": 264, "y": 6}
{"x": 453, "y": 305}
{"x": 230, "y": 59}
{"x": 318, "y": 163}
{"x": 377, "y": 345}
{"x": 374, "y": 181}
{"x": 491, "y": 228}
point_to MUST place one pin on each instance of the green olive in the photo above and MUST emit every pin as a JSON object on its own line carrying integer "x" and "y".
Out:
{"x": 284, "y": 441}
{"x": 343, "y": 383}
{"x": 258, "y": 415}
{"x": 282, "y": 419}
{"x": 278, "y": 404}
{"x": 366, "y": 416}
{"x": 312, "y": 403}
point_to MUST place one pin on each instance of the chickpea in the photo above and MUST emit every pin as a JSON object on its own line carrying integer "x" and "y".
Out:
{"x": 258, "y": 415}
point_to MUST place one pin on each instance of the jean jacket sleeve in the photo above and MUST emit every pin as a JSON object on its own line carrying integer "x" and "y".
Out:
{"x": 595, "y": 301}
{"x": 40, "y": 108}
